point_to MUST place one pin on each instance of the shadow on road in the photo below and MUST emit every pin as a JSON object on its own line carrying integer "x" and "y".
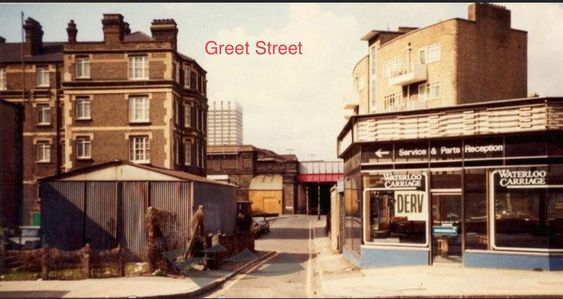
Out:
{"x": 32, "y": 294}
{"x": 283, "y": 233}
{"x": 283, "y": 264}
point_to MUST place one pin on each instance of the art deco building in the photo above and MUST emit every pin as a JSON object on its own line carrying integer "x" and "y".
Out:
{"x": 451, "y": 62}
{"x": 131, "y": 96}
{"x": 445, "y": 158}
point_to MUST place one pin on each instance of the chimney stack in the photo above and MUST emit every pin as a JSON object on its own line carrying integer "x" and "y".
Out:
{"x": 33, "y": 37}
{"x": 165, "y": 30}
{"x": 2, "y": 40}
{"x": 491, "y": 15}
{"x": 126, "y": 28}
{"x": 72, "y": 31}
{"x": 113, "y": 28}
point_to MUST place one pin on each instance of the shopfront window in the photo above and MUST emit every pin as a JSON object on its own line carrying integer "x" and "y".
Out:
{"x": 527, "y": 208}
{"x": 396, "y": 208}
{"x": 352, "y": 224}
{"x": 475, "y": 199}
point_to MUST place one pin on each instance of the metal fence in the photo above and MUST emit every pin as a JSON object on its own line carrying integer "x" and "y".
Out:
{"x": 107, "y": 213}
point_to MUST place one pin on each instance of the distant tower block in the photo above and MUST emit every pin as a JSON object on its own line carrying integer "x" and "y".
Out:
{"x": 224, "y": 123}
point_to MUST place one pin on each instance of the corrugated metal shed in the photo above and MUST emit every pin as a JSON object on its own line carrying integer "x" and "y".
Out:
{"x": 105, "y": 204}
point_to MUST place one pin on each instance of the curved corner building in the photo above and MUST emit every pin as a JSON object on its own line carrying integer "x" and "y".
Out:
{"x": 446, "y": 159}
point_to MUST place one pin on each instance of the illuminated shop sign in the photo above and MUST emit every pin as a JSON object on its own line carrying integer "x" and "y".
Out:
{"x": 510, "y": 178}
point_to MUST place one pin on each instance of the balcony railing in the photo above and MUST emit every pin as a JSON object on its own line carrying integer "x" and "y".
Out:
{"x": 404, "y": 77}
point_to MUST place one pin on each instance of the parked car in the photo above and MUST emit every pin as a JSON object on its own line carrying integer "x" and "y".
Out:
{"x": 28, "y": 237}
{"x": 260, "y": 225}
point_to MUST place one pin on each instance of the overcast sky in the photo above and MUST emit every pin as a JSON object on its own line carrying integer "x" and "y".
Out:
{"x": 292, "y": 102}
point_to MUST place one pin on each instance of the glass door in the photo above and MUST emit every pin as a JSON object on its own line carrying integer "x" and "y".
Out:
{"x": 446, "y": 228}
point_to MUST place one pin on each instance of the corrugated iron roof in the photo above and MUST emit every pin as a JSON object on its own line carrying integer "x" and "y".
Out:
{"x": 173, "y": 173}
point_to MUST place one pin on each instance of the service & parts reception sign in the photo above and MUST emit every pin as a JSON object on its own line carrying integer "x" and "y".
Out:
{"x": 411, "y": 204}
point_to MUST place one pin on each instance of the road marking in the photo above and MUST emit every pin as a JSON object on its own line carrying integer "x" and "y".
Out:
{"x": 309, "y": 280}
{"x": 240, "y": 276}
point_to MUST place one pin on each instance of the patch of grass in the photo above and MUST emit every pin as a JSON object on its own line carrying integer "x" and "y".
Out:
{"x": 19, "y": 275}
{"x": 66, "y": 274}
{"x": 136, "y": 269}
{"x": 131, "y": 269}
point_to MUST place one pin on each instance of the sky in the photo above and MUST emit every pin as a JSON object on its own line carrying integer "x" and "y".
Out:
{"x": 292, "y": 104}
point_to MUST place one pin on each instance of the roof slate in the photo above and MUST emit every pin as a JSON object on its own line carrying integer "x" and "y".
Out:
{"x": 50, "y": 52}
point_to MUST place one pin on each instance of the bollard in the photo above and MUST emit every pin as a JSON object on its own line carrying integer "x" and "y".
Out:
{"x": 2, "y": 250}
{"x": 45, "y": 263}
{"x": 121, "y": 260}
{"x": 86, "y": 251}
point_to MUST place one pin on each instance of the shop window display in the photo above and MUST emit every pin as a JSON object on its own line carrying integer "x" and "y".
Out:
{"x": 528, "y": 209}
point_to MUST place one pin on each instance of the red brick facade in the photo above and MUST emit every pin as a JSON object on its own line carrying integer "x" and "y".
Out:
{"x": 101, "y": 96}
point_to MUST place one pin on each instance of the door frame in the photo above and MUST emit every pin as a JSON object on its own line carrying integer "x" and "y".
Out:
{"x": 457, "y": 192}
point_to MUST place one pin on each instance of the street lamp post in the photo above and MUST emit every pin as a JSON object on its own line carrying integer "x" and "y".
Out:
{"x": 319, "y": 203}
{"x": 307, "y": 199}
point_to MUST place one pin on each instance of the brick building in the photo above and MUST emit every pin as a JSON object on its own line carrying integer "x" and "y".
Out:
{"x": 131, "y": 97}
{"x": 441, "y": 64}
{"x": 246, "y": 166}
{"x": 11, "y": 187}
{"x": 38, "y": 91}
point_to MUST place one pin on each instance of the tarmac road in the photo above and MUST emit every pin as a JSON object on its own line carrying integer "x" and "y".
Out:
{"x": 287, "y": 274}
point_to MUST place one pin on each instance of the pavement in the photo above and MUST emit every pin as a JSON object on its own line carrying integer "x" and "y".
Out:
{"x": 129, "y": 287}
{"x": 339, "y": 278}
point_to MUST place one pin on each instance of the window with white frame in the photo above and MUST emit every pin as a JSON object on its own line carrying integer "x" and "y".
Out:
{"x": 138, "y": 67}
{"x": 429, "y": 91}
{"x": 178, "y": 151}
{"x": 139, "y": 109}
{"x": 393, "y": 101}
{"x": 176, "y": 111}
{"x": 197, "y": 163}
{"x": 83, "y": 108}
{"x": 391, "y": 67}
{"x": 187, "y": 115}
{"x": 187, "y": 153}
{"x": 139, "y": 149}
{"x": 202, "y": 159}
{"x": 373, "y": 77}
{"x": 177, "y": 72}
{"x": 82, "y": 67}
{"x": 43, "y": 151}
{"x": 43, "y": 114}
{"x": 3, "y": 79}
{"x": 430, "y": 54}
{"x": 42, "y": 77}
{"x": 83, "y": 148}
{"x": 187, "y": 73}
{"x": 196, "y": 118}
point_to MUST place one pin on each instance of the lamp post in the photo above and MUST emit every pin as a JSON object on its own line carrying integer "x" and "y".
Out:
{"x": 307, "y": 199}
{"x": 319, "y": 202}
